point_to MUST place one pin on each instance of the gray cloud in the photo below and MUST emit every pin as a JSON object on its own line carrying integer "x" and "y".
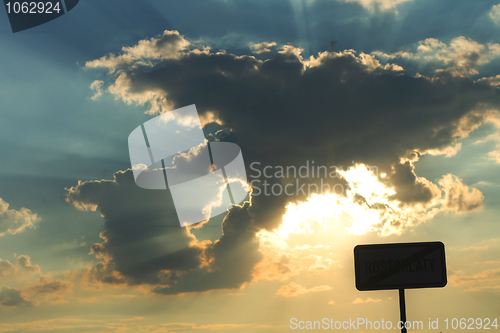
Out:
{"x": 144, "y": 243}
{"x": 333, "y": 109}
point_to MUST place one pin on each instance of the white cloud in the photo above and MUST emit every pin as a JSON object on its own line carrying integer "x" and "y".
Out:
{"x": 495, "y": 14}
{"x": 15, "y": 221}
{"x": 97, "y": 87}
{"x": 263, "y": 47}
{"x": 170, "y": 45}
{"x": 460, "y": 57}
{"x": 458, "y": 197}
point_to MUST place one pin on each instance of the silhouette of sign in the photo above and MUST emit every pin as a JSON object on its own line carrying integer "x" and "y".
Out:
{"x": 400, "y": 266}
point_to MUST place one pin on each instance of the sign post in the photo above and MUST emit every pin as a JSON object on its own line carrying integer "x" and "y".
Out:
{"x": 402, "y": 309}
{"x": 400, "y": 266}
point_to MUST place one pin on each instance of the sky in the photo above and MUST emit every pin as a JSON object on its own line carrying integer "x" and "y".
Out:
{"x": 398, "y": 100}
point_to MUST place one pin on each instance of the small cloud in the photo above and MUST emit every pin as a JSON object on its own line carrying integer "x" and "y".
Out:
{"x": 495, "y": 14}
{"x": 368, "y": 300}
{"x": 170, "y": 45}
{"x": 97, "y": 87}
{"x": 293, "y": 289}
{"x": 331, "y": 302}
{"x": 49, "y": 285}
{"x": 263, "y": 47}
{"x": 24, "y": 263}
{"x": 459, "y": 197}
{"x": 15, "y": 221}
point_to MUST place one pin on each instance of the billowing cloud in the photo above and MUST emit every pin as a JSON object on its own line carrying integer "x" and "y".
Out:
{"x": 339, "y": 109}
{"x": 460, "y": 57}
{"x": 12, "y": 297}
{"x": 144, "y": 243}
{"x": 14, "y": 221}
{"x": 293, "y": 289}
{"x": 168, "y": 46}
{"x": 459, "y": 197}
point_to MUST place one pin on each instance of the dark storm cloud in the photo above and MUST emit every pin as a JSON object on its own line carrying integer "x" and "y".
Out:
{"x": 141, "y": 232}
{"x": 343, "y": 108}
{"x": 334, "y": 109}
{"x": 234, "y": 256}
{"x": 144, "y": 243}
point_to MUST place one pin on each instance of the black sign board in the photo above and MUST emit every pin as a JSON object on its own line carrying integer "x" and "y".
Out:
{"x": 400, "y": 266}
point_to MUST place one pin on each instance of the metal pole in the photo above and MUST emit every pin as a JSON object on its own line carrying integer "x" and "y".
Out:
{"x": 402, "y": 308}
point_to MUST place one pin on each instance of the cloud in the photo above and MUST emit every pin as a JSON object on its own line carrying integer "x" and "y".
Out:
{"x": 122, "y": 325}
{"x": 168, "y": 46}
{"x": 367, "y": 300}
{"x": 462, "y": 56}
{"x": 12, "y": 297}
{"x": 383, "y": 5}
{"x": 97, "y": 87}
{"x": 284, "y": 110}
{"x": 24, "y": 262}
{"x": 487, "y": 279}
{"x": 476, "y": 248}
{"x": 21, "y": 266}
{"x": 144, "y": 243}
{"x": 293, "y": 289}
{"x": 263, "y": 47}
{"x": 15, "y": 221}
{"x": 492, "y": 80}
{"x": 49, "y": 285}
{"x": 495, "y": 120}
{"x": 458, "y": 196}
{"x": 495, "y": 14}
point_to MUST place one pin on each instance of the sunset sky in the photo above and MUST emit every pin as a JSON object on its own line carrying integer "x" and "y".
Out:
{"x": 398, "y": 99}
